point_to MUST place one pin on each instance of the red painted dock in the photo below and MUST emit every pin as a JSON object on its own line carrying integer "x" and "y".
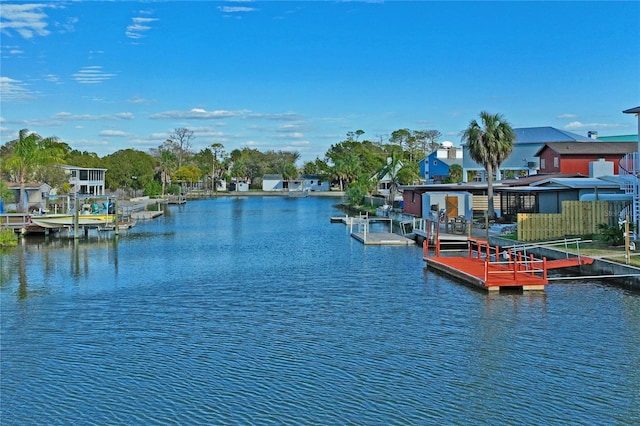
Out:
{"x": 488, "y": 268}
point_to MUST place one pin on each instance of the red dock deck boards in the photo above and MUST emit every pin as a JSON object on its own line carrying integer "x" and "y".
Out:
{"x": 516, "y": 270}
{"x": 472, "y": 270}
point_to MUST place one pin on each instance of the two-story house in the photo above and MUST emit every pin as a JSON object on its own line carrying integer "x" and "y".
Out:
{"x": 86, "y": 181}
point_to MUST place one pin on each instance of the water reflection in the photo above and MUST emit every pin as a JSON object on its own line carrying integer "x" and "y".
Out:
{"x": 35, "y": 263}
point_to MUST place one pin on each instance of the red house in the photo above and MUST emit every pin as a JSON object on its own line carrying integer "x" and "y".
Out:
{"x": 574, "y": 157}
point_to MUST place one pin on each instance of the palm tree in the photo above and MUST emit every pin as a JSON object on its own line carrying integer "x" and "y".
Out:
{"x": 489, "y": 144}
{"x": 166, "y": 164}
{"x": 346, "y": 170}
{"x": 217, "y": 149}
{"x": 392, "y": 171}
{"x": 30, "y": 151}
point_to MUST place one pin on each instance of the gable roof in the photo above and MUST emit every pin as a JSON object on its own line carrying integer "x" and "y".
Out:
{"x": 590, "y": 148}
{"x": 30, "y": 186}
{"x": 546, "y": 134}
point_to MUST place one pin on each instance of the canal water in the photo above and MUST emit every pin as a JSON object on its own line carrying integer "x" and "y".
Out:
{"x": 258, "y": 310}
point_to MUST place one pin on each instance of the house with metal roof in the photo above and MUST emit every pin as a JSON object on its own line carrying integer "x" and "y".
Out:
{"x": 523, "y": 160}
{"x": 619, "y": 138}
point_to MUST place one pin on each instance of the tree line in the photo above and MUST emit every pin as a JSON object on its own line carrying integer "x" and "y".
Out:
{"x": 353, "y": 165}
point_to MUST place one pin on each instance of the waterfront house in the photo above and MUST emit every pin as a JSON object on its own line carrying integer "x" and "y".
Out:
{"x": 546, "y": 195}
{"x": 312, "y": 182}
{"x": 577, "y": 157}
{"x": 523, "y": 160}
{"x": 385, "y": 183}
{"x": 412, "y": 194}
{"x": 34, "y": 197}
{"x": 435, "y": 167}
{"x": 85, "y": 181}
{"x": 276, "y": 182}
{"x": 238, "y": 185}
{"x": 272, "y": 182}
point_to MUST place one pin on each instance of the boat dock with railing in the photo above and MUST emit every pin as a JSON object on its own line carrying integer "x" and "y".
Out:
{"x": 360, "y": 229}
{"x": 493, "y": 268}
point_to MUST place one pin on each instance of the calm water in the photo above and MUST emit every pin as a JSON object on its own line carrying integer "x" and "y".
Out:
{"x": 260, "y": 311}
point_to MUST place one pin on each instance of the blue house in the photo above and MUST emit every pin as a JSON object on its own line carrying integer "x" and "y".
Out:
{"x": 435, "y": 168}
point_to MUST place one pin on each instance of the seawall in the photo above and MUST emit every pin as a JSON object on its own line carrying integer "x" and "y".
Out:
{"x": 600, "y": 267}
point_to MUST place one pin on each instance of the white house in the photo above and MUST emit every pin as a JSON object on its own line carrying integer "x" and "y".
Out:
{"x": 385, "y": 183}
{"x": 86, "y": 181}
{"x": 272, "y": 182}
{"x": 276, "y": 182}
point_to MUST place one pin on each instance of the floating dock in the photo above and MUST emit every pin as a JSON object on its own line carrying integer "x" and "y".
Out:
{"x": 360, "y": 230}
{"x": 490, "y": 269}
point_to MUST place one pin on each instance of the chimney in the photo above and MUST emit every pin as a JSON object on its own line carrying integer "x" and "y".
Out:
{"x": 592, "y": 134}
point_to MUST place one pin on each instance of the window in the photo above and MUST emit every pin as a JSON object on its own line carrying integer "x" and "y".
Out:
{"x": 556, "y": 162}
{"x": 542, "y": 164}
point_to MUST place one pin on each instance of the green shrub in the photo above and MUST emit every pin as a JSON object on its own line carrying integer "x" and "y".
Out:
{"x": 8, "y": 238}
{"x": 614, "y": 235}
{"x": 152, "y": 189}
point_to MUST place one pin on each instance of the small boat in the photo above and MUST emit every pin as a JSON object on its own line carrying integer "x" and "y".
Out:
{"x": 62, "y": 220}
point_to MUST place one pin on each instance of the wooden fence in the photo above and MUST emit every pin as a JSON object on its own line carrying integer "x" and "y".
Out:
{"x": 577, "y": 218}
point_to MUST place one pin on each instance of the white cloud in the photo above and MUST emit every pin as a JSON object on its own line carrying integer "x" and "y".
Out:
{"x": 114, "y": 133}
{"x": 195, "y": 114}
{"x": 11, "y": 89}
{"x": 138, "y": 100}
{"x": 236, "y": 9}
{"x": 67, "y": 116}
{"x": 288, "y": 116}
{"x": 68, "y": 26}
{"x": 290, "y": 135}
{"x": 125, "y": 116}
{"x": 577, "y": 125}
{"x": 92, "y": 75}
{"x": 567, "y": 116}
{"x": 138, "y": 27}
{"x": 25, "y": 19}
{"x": 52, "y": 78}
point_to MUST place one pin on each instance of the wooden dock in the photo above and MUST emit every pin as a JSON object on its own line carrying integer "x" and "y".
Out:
{"x": 490, "y": 269}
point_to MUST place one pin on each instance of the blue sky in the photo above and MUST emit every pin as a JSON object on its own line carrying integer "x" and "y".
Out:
{"x": 105, "y": 76}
